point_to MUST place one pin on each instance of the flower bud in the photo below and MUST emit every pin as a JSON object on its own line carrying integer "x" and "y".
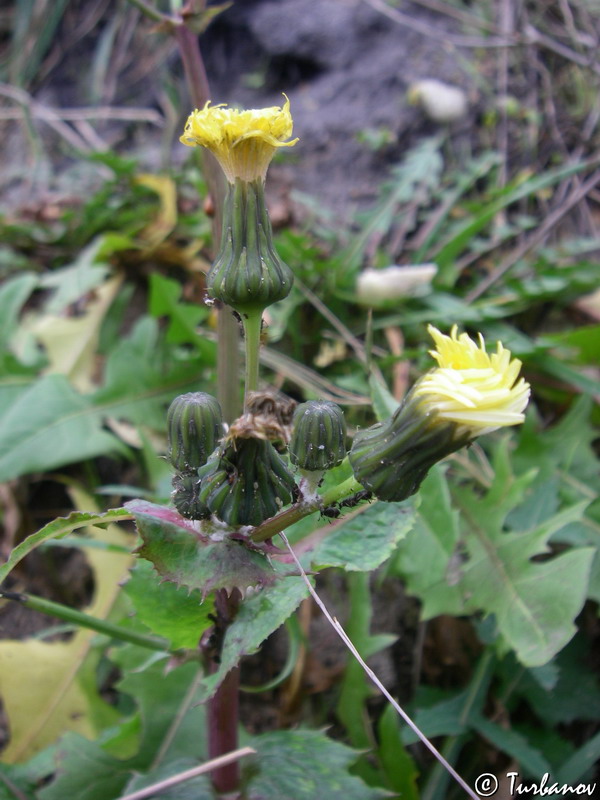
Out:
{"x": 185, "y": 496}
{"x": 319, "y": 436}
{"x": 245, "y": 482}
{"x": 194, "y": 427}
{"x": 247, "y": 273}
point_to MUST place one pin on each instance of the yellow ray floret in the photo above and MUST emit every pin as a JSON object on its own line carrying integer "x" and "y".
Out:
{"x": 242, "y": 141}
{"x": 476, "y": 390}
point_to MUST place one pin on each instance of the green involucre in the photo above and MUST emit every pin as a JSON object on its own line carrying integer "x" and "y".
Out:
{"x": 247, "y": 274}
{"x": 392, "y": 458}
{"x": 194, "y": 427}
{"x": 319, "y": 436}
{"x": 245, "y": 482}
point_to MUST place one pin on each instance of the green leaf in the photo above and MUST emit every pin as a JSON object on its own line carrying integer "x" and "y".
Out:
{"x": 165, "y": 300}
{"x": 429, "y": 560}
{"x": 574, "y": 696}
{"x": 535, "y": 603}
{"x": 68, "y": 284}
{"x": 513, "y": 744}
{"x": 580, "y": 762}
{"x": 50, "y": 424}
{"x": 384, "y": 403}
{"x": 188, "y": 558}
{"x": 416, "y": 177}
{"x": 85, "y": 772}
{"x": 258, "y": 617}
{"x": 304, "y": 765}
{"x": 56, "y": 530}
{"x": 172, "y": 719}
{"x": 13, "y": 295}
{"x": 364, "y": 542}
{"x": 356, "y": 688}
{"x": 459, "y": 241}
{"x": 399, "y": 766}
{"x": 165, "y": 609}
{"x": 198, "y": 788}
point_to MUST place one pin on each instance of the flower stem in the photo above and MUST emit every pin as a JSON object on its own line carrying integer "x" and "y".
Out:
{"x": 281, "y": 521}
{"x": 86, "y": 621}
{"x": 252, "y": 327}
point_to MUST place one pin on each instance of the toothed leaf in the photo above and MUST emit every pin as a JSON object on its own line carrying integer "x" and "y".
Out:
{"x": 181, "y": 554}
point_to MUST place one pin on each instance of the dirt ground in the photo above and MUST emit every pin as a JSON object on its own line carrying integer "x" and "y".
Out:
{"x": 346, "y": 68}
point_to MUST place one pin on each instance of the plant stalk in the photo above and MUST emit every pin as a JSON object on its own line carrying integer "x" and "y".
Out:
{"x": 280, "y": 522}
{"x": 223, "y": 709}
{"x": 252, "y": 328}
{"x": 83, "y": 620}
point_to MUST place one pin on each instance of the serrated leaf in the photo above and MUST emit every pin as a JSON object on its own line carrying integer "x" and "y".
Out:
{"x": 364, "y": 542}
{"x": 429, "y": 560}
{"x": 188, "y": 558}
{"x": 535, "y": 603}
{"x": 85, "y": 772}
{"x": 303, "y": 765}
{"x": 258, "y": 617}
{"x": 165, "y": 609}
{"x": 57, "y": 529}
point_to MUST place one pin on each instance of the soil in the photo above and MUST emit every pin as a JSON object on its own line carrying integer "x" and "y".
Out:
{"x": 346, "y": 68}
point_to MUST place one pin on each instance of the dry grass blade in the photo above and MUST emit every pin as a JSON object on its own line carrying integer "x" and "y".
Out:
{"x": 175, "y": 780}
{"x": 576, "y": 196}
{"x": 309, "y": 379}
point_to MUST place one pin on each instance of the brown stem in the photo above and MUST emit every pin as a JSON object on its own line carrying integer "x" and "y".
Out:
{"x": 223, "y": 708}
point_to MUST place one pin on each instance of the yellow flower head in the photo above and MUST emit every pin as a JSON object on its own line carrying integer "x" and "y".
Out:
{"x": 242, "y": 141}
{"x": 472, "y": 388}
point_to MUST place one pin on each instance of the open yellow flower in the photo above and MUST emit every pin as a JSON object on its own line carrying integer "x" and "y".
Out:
{"x": 469, "y": 393}
{"x": 242, "y": 141}
{"x": 476, "y": 390}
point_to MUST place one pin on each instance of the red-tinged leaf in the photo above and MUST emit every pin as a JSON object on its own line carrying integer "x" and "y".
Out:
{"x": 181, "y": 553}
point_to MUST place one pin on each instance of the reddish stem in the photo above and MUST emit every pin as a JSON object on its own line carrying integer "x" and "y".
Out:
{"x": 223, "y": 708}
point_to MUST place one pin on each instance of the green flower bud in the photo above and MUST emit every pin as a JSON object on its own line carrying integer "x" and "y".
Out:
{"x": 247, "y": 274}
{"x": 185, "y": 496}
{"x": 392, "y": 458}
{"x": 319, "y": 436}
{"x": 245, "y": 482}
{"x": 194, "y": 426}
